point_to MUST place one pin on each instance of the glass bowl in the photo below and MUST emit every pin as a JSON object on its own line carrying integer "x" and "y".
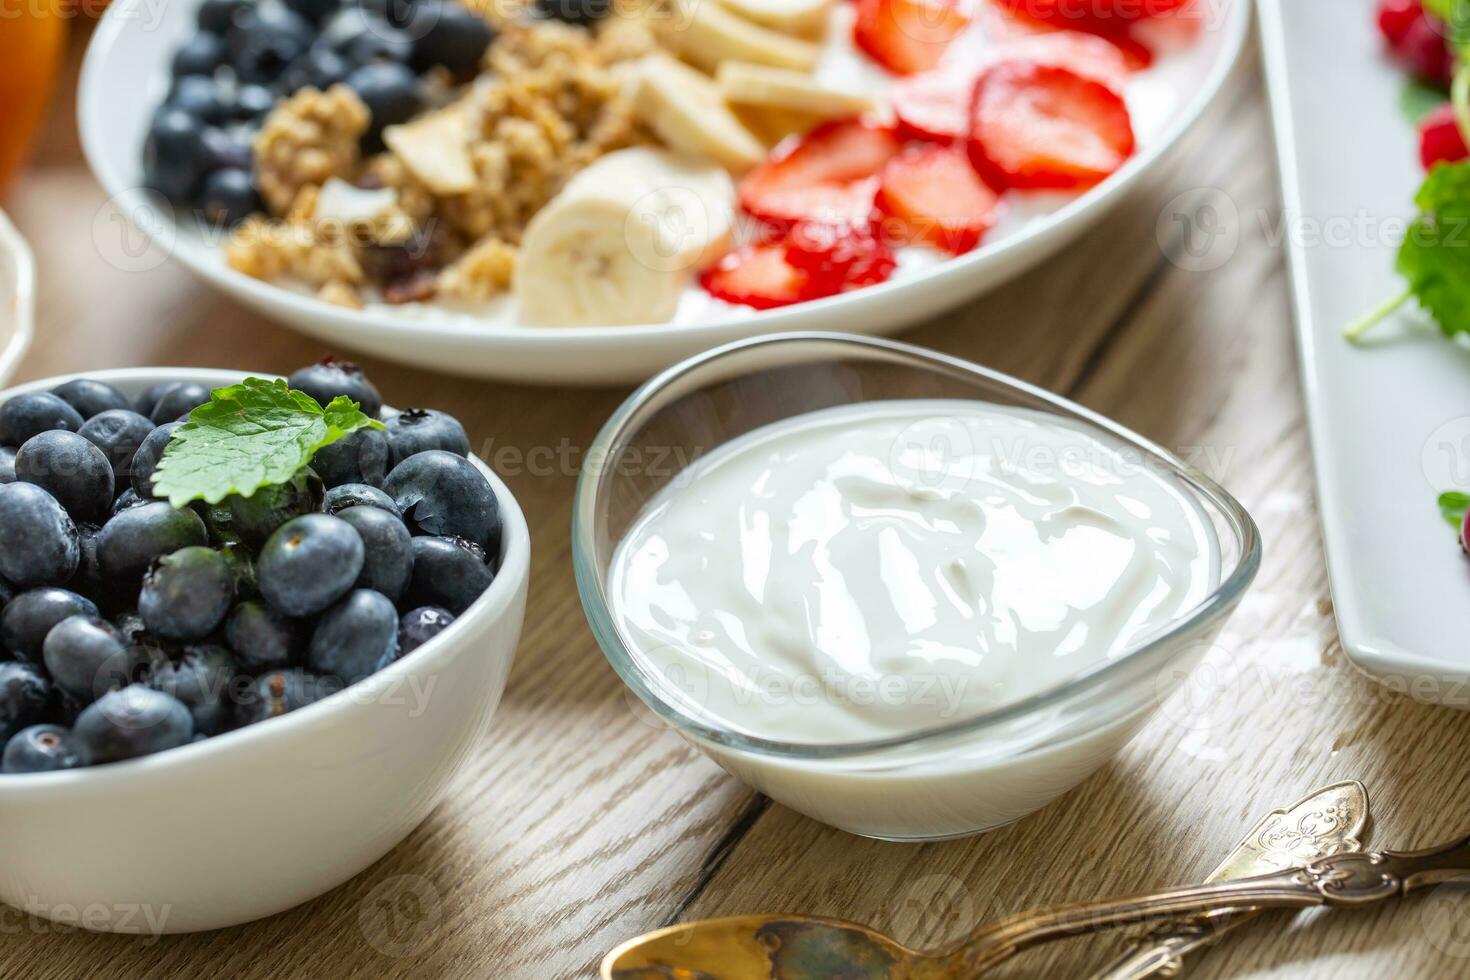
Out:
{"x": 958, "y": 777}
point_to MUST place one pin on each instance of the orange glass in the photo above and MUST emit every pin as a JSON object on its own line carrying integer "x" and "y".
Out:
{"x": 32, "y": 38}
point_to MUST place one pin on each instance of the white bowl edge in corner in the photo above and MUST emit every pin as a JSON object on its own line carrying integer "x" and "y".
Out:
{"x": 17, "y": 298}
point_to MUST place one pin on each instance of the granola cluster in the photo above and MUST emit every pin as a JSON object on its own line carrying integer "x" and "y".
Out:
{"x": 444, "y": 205}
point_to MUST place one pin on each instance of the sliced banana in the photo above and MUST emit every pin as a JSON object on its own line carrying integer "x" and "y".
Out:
{"x": 623, "y": 239}
{"x": 774, "y": 125}
{"x": 707, "y": 34}
{"x": 685, "y": 109}
{"x": 742, "y": 83}
{"x": 805, "y": 18}
{"x": 436, "y": 147}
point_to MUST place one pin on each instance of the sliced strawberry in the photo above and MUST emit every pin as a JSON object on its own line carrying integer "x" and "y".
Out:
{"x": 936, "y": 196}
{"x": 838, "y": 257}
{"x": 1080, "y": 16}
{"x": 933, "y": 106}
{"x": 829, "y": 175}
{"x": 1043, "y": 126}
{"x": 1440, "y": 138}
{"x": 1086, "y": 54}
{"x": 908, "y": 36}
{"x": 760, "y": 276}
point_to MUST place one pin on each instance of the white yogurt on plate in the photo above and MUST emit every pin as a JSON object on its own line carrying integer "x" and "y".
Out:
{"x": 884, "y": 568}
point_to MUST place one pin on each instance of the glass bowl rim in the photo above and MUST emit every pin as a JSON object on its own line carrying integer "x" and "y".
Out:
{"x": 591, "y": 587}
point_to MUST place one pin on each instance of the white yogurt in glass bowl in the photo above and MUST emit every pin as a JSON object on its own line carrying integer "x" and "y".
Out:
{"x": 901, "y": 594}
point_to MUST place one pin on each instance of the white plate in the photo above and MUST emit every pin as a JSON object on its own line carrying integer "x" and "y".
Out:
{"x": 125, "y": 76}
{"x": 17, "y": 298}
{"x": 1390, "y": 419}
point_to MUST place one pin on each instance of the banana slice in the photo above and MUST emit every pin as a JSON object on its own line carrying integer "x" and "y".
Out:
{"x": 742, "y": 83}
{"x": 623, "y": 239}
{"x": 436, "y": 147}
{"x": 804, "y": 18}
{"x": 706, "y": 34}
{"x": 687, "y": 112}
{"x": 774, "y": 125}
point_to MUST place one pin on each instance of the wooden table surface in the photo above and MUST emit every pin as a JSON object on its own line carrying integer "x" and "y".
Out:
{"x": 580, "y": 822}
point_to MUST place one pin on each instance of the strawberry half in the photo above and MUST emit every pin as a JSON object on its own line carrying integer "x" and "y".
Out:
{"x": 935, "y": 106}
{"x": 937, "y": 197}
{"x": 1042, "y": 126}
{"x": 838, "y": 257}
{"x": 908, "y": 36}
{"x": 760, "y": 276}
{"x": 829, "y": 175}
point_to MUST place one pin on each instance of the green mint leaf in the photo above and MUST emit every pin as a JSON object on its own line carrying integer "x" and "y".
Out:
{"x": 254, "y": 434}
{"x": 1417, "y": 100}
{"x": 1453, "y": 504}
{"x": 1455, "y": 16}
{"x": 1435, "y": 255}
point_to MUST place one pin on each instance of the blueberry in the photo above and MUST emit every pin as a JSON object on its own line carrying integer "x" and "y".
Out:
{"x": 382, "y": 42}
{"x": 224, "y": 150}
{"x": 7, "y": 465}
{"x": 25, "y": 695}
{"x": 361, "y": 457}
{"x": 72, "y": 470}
{"x": 440, "y": 493}
{"x": 117, "y": 432}
{"x": 253, "y": 102}
{"x": 201, "y": 54}
{"x": 172, "y": 154}
{"x": 40, "y": 748}
{"x": 388, "y": 550}
{"x": 208, "y": 681}
{"x": 31, "y": 615}
{"x": 89, "y": 580}
{"x": 353, "y": 636}
{"x": 310, "y": 563}
{"x": 358, "y": 495}
{"x": 132, "y": 627}
{"x": 447, "y": 572}
{"x": 257, "y": 516}
{"x": 127, "y": 500}
{"x": 242, "y": 570}
{"x": 145, "y": 402}
{"x": 87, "y": 656}
{"x": 186, "y": 595}
{"x": 145, "y": 460}
{"x": 133, "y": 539}
{"x": 264, "y": 40}
{"x": 38, "y": 541}
{"x": 391, "y": 93}
{"x": 133, "y": 722}
{"x": 90, "y": 397}
{"x": 282, "y": 691}
{"x": 420, "y": 626}
{"x": 455, "y": 40}
{"x": 179, "y": 400}
{"x": 320, "y": 68}
{"x": 419, "y": 430}
{"x": 582, "y": 13}
{"x": 262, "y": 638}
{"x": 217, "y": 16}
{"x": 229, "y": 197}
{"x": 314, "y": 10}
{"x": 30, "y": 415}
{"x": 201, "y": 98}
{"x": 332, "y": 378}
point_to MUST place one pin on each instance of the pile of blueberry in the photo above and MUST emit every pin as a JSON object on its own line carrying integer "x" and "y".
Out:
{"x": 247, "y": 54}
{"x": 129, "y": 627}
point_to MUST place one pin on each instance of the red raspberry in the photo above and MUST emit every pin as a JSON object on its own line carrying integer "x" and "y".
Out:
{"x": 1440, "y": 138}
{"x": 1395, "y": 17}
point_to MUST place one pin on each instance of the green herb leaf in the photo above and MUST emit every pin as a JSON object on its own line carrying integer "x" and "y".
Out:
{"x": 1455, "y": 16}
{"x": 1435, "y": 255}
{"x": 1453, "y": 504}
{"x": 1417, "y": 100}
{"x": 255, "y": 434}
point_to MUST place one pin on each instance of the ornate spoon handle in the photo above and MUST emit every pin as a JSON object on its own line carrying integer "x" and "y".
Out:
{"x": 1349, "y": 879}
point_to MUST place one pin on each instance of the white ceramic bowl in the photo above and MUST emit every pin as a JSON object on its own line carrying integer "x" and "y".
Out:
{"x": 256, "y": 821}
{"x": 17, "y": 298}
{"x": 126, "y": 75}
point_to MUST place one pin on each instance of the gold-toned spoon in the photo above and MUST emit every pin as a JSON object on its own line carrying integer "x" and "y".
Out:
{"x": 807, "y": 948}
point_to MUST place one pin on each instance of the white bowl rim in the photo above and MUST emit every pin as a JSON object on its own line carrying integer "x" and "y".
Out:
{"x": 112, "y": 29}
{"x": 490, "y": 608}
{"x": 24, "y": 330}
